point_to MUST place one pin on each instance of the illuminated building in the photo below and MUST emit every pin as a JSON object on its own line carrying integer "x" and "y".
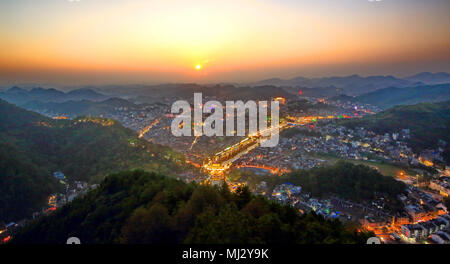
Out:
{"x": 280, "y": 99}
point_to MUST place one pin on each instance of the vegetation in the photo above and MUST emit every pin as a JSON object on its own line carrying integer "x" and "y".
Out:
{"x": 291, "y": 132}
{"x": 24, "y": 186}
{"x": 142, "y": 207}
{"x": 80, "y": 108}
{"x": 391, "y": 96}
{"x": 346, "y": 180}
{"x": 356, "y": 182}
{"x": 384, "y": 167}
{"x": 428, "y": 122}
{"x": 33, "y": 147}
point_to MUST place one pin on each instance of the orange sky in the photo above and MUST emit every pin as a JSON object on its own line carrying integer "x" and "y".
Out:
{"x": 107, "y": 41}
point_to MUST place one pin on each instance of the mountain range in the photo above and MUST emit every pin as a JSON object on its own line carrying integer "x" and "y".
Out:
{"x": 392, "y": 96}
{"x": 355, "y": 84}
{"x": 74, "y": 108}
{"x": 20, "y": 96}
{"x": 430, "y": 78}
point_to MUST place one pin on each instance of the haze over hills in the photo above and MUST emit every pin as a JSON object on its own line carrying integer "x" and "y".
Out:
{"x": 20, "y": 96}
{"x": 430, "y": 78}
{"x": 34, "y": 146}
{"x": 79, "y": 108}
{"x": 351, "y": 85}
{"x": 392, "y": 96}
{"x": 154, "y": 93}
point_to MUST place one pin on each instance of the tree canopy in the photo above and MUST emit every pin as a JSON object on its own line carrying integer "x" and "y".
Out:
{"x": 142, "y": 207}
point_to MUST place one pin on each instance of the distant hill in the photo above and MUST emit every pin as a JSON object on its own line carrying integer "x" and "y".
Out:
{"x": 20, "y": 96}
{"x": 329, "y": 91}
{"x": 354, "y": 182}
{"x": 350, "y": 85}
{"x": 431, "y": 78}
{"x": 228, "y": 92}
{"x": 33, "y": 146}
{"x": 144, "y": 208}
{"x": 343, "y": 98}
{"x": 154, "y": 93}
{"x": 79, "y": 108}
{"x": 405, "y": 96}
{"x": 85, "y": 94}
{"x": 428, "y": 122}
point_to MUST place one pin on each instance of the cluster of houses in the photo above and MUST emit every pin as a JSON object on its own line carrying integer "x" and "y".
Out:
{"x": 355, "y": 143}
{"x": 285, "y": 192}
{"x": 438, "y": 230}
{"x": 442, "y": 185}
{"x": 288, "y": 193}
{"x": 54, "y": 201}
{"x": 421, "y": 205}
{"x": 6, "y": 231}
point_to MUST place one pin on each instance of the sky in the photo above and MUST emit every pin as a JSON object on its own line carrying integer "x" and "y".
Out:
{"x": 152, "y": 41}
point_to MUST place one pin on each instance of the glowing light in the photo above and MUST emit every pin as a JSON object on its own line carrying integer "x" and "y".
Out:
{"x": 198, "y": 67}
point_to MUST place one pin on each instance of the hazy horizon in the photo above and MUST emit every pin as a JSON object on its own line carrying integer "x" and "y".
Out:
{"x": 65, "y": 86}
{"x": 125, "y": 42}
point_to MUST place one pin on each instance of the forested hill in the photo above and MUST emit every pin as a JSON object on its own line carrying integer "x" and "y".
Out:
{"x": 428, "y": 122}
{"x": 354, "y": 182}
{"x": 141, "y": 207}
{"x": 392, "y": 96}
{"x": 34, "y": 146}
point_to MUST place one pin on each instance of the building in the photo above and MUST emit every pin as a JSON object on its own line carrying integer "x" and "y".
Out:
{"x": 442, "y": 185}
{"x": 59, "y": 175}
{"x": 426, "y": 229}
{"x": 413, "y": 231}
{"x": 418, "y": 213}
{"x": 445, "y": 219}
{"x": 280, "y": 99}
{"x": 441, "y": 237}
{"x": 429, "y": 228}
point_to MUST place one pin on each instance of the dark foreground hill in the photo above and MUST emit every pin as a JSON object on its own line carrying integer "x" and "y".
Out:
{"x": 32, "y": 147}
{"x": 140, "y": 207}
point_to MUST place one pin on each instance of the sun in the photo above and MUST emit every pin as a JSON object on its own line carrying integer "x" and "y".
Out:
{"x": 198, "y": 67}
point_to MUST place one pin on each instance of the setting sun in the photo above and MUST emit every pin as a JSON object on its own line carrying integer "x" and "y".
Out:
{"x": 198, "y": 67}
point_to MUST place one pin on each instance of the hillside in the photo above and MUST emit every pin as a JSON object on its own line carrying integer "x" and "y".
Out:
{"x": 430, "y": 78}
{"x": 138, "y": 207}
{"x": 79, "y": 108}
{"x": 406, "y": 96}
{"x": 349, "y": 181}
{"x": 20, "y": 96}
{"x": 24, "y": 185}
{"x": 343, "y": 179}
{"x": 155, "y": 93}
{"x": 350, "y": 85}
{"x": 428, "y": 122}
{"x": 85, "y": 149}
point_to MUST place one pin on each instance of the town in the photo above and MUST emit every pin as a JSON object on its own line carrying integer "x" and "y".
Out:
{"x": 312, "y": 136}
